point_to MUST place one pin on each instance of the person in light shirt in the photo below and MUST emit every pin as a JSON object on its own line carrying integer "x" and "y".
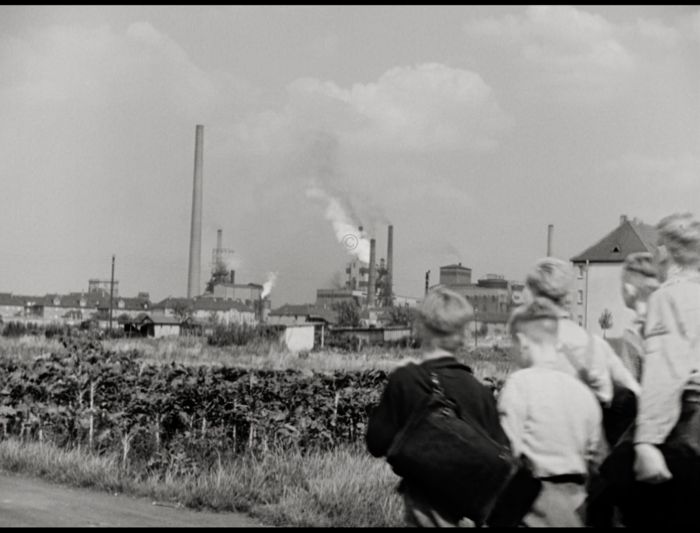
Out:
{"x": 667, "y": 436}
{"x": 640, "y": 278}
{"x": 580, "y": 356}
{"x": 550, "y": 417}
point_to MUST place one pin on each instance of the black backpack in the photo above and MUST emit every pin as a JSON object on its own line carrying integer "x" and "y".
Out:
{"x": 452, "y": 458}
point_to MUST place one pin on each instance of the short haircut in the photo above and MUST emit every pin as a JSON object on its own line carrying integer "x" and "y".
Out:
{"x": 537, "y": 320}
{"x": 680, "y": 233}
{"x": 640, "y": 271}
{"x": 551, "y": 278}
{"x": 445, "y": 314}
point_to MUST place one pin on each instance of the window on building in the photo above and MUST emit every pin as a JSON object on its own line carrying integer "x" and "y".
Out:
{"x": 580, "y": 320}
{"x": 581, "y": 269}
{"x": 580, "y": 297}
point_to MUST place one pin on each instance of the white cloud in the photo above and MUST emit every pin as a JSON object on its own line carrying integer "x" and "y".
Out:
{"x": 423, "y": 108}
{"x": 576, "y": 55}
{"x": 559, "y": 38}
{"x": 103, "y": 67}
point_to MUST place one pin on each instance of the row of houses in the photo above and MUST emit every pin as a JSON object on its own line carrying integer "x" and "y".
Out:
{"x": 75, "y": 308}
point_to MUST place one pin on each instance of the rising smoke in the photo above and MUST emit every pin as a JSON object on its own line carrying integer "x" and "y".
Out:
{"x": 267, "y": 286}
{"x": 341, "y": 201}
{"x": 346, "y": 230}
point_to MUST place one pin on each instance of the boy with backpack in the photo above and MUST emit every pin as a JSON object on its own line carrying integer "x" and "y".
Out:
{"x": 442, "y": 322}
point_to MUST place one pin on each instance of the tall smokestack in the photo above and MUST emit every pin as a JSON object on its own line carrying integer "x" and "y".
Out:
{"x": 218, "y": 239}
{"x": 390, "y": 265}
{"x": 427, "y": 282}
{"x": 550, "y": 230}
{"x": 193, "y": 276}
{"x": 372, "y": 274}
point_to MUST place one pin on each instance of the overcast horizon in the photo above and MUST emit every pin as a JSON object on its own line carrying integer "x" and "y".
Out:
{"x": 469, "y": 128}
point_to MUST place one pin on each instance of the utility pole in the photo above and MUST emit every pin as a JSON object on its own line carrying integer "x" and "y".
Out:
{"x": 476, "y": 310}
{"x": 111, "y": 295}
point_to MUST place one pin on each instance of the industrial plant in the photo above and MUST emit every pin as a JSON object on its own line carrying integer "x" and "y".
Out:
{"x": 224, "y": 300}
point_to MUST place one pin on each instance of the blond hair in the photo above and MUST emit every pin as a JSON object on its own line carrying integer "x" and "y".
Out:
{"x": 680, "y": 233}
{"x": 551, "y": 278}
{"x": 538, "y": 320}
{"x": 444, "y": 315}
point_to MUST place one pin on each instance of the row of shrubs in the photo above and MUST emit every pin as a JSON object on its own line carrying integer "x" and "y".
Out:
{"x": 20, "y": 329}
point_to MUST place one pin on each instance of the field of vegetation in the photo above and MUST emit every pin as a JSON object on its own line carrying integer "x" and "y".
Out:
{"x": 250, "y": 428}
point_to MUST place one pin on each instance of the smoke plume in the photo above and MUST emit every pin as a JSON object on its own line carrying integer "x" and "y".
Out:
{"x": 267, "y": 286}
{"x": 346, "y": 229}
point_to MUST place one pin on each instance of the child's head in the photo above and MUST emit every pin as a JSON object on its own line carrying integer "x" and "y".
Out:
{"x": 550, "y": 278}
{"x": 639, "y": 278}
{"x": 534, "y": 327}
{"x": 442, "y": 319}
{"x": 679, "y": 242}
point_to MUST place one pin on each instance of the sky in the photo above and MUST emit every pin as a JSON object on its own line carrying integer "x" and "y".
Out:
{"x": 469, "y": 128}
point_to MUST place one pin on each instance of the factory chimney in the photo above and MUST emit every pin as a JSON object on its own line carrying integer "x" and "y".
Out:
{"x": 550, "y": 231}
{"x": 371, "y": 284}
{"x": 232, "y": 277}
{"x": 390, "y": 266}
{"x": 193, "y": 276}
{"x": 218, "y": 239}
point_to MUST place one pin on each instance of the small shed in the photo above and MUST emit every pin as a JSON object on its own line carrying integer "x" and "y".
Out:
{"x": 299, "y": 337}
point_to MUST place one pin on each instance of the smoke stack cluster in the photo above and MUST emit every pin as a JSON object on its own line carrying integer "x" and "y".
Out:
{"x": 194, "y": 270}
{"x": 390, "y": 266}
{"x": 371, "y": 285}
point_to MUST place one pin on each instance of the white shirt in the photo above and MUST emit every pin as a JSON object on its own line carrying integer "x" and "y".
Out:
{"x": 583, "y": 358}
{"x": 551, "y": 418}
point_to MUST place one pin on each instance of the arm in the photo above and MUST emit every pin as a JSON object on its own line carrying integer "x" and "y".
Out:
{"x": 597, "y": 371}
{"x": 383, "y": 424}
{"x": 618, "y": 371}
{"x": 588, "y": 361}
{"x": 491, "y": 418}
{"x": 667, "y": 368}
{"x": 512, "y": 410}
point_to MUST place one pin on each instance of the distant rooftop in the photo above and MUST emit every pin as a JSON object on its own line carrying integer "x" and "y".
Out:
{"x": 629, "y": 237}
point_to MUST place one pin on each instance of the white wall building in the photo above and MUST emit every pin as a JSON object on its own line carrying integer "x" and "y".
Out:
{"x": 598, "y": 270}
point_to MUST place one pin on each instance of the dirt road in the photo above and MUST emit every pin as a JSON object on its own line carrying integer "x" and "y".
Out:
{"x": 29, "y": 502}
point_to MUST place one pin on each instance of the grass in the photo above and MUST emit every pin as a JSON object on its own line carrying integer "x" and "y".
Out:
{"x": 343, "y": 487}
{"x": 27, "y": 347}
{"x": 260, "y": 355}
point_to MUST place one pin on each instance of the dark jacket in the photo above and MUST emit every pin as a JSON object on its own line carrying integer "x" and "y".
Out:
{"x": 408, "y": 389}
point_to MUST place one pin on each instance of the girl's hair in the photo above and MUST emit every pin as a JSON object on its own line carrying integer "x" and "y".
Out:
{"x": 443, "y": 315}
{"x": 640, "y": 271}
{"x": 551, "y": 278}
{"x": 680, "y": 233}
